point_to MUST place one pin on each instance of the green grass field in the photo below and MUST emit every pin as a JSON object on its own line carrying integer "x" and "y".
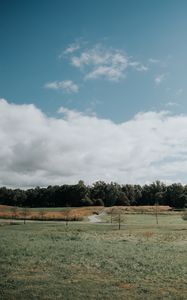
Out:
{"x": 43, "y": 260}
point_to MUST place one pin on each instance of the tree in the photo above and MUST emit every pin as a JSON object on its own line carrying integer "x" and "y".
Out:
{"x": 181, "y": 202}
{"x": 122, "y": 199}
{"x": 98, "y": 191}
{"x": 149, "y": 192}
{"x": 6, "y": 196}
{"x": 130, "y": 192}
{"x": 156, "y": 211}
{"x": 117, "y": 216}
{"x": 25, "y": 214}
{"x": 14, "y": 211}
{"x": 112, "y": 193}
{"x": 67, "y": 215}
{"x": 159, "y": 196}
{"x": 175, "y": 195}
{"x": 112, "y": 210}
{"x": 19, "y": 197}
{"x": 137, "y": 194}
{"x": 41, "y": 214}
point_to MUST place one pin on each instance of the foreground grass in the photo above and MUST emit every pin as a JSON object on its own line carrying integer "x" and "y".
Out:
{"x": 86, "y": 261}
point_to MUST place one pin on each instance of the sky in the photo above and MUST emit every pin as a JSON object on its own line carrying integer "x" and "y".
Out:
{"x": 92, "y": 90}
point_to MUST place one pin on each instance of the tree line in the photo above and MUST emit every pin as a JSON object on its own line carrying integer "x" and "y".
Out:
{"x": 100, "y": 193}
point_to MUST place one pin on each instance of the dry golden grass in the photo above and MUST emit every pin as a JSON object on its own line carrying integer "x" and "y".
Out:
{"x": 140, "y": 209}
{"x": 127, "y": 286}
{"x": 77, "y": 213}
{"x": 148, "y": 234}
{"x": 86, "y": 211}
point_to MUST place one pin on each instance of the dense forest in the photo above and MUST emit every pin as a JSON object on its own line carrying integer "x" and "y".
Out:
{"x": 100, "y": 193}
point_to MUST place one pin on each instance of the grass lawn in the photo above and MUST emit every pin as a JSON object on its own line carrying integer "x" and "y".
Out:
{"x": 45, "y": 260}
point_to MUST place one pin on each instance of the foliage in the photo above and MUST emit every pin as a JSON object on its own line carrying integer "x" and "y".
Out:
{"x": 100, "y": 193}
{"x": 86, "y": 201}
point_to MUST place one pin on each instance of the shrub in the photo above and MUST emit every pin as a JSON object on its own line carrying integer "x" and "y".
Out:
{"x": 86, "y": 201}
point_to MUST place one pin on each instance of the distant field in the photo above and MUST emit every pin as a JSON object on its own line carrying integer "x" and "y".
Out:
{"x": 49, "y": 213}
{"x": 79, "y": 213}
{"x": 95, "y": 261}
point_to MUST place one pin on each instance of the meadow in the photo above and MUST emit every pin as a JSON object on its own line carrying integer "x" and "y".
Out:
{"x": 48, "y": 213}
{"x": 49, "y": 260}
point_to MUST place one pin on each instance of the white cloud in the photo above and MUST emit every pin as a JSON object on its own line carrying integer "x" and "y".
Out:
{"x": 159, "y": 78}
{"x": 72, "y": 48}
{"x": 138, "y": 66}
{"x": 100, "y": 62}
{"x": 171, "y": 103}
{"x": 107, "y": 72}
{"x": 154, "y": 61}
{"x": 67, "y": 86}
{"x": 38, "y": 150}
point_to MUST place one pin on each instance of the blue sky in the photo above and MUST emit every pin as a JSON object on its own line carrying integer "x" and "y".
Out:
{"x": 108, "y": 60}
{"x": 35, "y": 33}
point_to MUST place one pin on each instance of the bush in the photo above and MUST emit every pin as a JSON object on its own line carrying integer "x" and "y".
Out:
{"x": 86, "y": 201}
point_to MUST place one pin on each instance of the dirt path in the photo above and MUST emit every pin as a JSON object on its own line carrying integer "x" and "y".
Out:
{"x": 96, "y": 218}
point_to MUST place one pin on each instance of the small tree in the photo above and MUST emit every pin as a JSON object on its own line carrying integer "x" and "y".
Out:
{"x": 14, "y": 211}
{"x": 156, "y": 212}
{"x": 158, "y": 199}
{"x": 67, "y": 215}
{"x": 112, "y": 210}
{"x": 25, "y": 214}
{"x": 118, "y": 216}
{"x": 41, "y": 214}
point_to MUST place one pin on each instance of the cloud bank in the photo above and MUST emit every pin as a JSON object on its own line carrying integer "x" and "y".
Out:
{"x": 38, "y": 150}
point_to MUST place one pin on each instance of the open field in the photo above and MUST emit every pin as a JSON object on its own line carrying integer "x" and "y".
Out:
{"x": 48, "y": 213}
{"x": 43, "y": 260}
{"x": 78, "y": 213}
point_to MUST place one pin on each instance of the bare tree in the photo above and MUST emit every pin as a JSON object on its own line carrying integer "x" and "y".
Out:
{"x": 14, "y": 211}
{"x": 67, "y": 214}
{"x": 118, "y": 216}
{"x": 41, "y": 214}
{"x": 25, "y": 214}
{"x": 156, "y": 212}
{"x": 112, "y": 210}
